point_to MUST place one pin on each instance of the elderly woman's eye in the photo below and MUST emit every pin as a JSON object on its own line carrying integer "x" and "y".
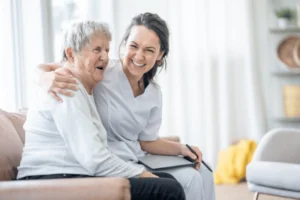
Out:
{"x": 133, "y": 46}
{"x": 97, "y": 50}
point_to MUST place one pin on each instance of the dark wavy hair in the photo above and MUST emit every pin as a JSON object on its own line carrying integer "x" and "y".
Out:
{"x": 159, "y": 26}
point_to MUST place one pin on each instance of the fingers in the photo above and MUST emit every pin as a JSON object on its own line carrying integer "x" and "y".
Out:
{"x": 63, "y": 92}
{"x": 53, "y": 95}
{"x": 199, "y": 153}
{"x": 63, "y": 85}
{"x": 64, "y": 78}
{"x": 197, "y": 167}
{"x": 191, "y": 155}
{"x": 146, "y": 174}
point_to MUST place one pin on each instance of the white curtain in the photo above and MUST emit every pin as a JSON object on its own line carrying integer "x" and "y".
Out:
{"x": 22, "y": 45}
{"x": 7, "y": 80}
{"x": 212, "y": 88}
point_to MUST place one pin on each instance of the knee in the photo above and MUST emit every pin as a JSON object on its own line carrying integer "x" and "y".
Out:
{"x": 181, "y": 194}
{"x": 207, "y": 175}
{"x": 176, "y": 189}
{"x": 196, "y": 179}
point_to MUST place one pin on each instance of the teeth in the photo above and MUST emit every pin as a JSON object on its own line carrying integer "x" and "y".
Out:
{"x": 137, "y": 64}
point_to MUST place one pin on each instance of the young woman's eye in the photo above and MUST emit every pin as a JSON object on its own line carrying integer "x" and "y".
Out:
{"x": 149, "y": 50}
{"x": 133, "y": 46}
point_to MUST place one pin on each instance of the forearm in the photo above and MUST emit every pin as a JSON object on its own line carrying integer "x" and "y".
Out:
{"x": 162, "y": 147}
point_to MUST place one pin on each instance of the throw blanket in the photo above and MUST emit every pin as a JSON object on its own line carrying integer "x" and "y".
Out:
{"x": 232, "y": 162}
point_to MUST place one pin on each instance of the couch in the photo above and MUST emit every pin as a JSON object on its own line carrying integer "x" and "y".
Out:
{"x": 275, "y": 167}
{"x": 11, "y": 144}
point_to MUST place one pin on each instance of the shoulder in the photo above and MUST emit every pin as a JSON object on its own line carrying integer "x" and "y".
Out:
{"x": 154, "y": 92}
{"x": 77, "y": 100}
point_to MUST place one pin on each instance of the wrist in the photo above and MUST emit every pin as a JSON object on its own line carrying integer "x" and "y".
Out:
{"x": 181, "y": 148}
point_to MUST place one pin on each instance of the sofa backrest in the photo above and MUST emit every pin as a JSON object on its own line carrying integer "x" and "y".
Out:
{"x": 12, "y": 138}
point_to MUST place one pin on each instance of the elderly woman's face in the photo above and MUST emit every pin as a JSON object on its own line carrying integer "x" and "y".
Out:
{"x": 93, "y": 58}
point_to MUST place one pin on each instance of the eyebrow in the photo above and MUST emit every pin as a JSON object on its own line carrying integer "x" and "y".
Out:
{"x": 97, "y": 47}
{"x": 146, "y": 47}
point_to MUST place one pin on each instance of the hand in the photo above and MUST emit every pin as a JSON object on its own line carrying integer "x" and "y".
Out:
{"x": 57, "y": 82}
{"x": 186, "y": 152}
{"x": 147, "y": 174}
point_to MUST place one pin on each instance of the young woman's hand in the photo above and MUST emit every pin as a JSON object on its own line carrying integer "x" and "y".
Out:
{"x": 186, "y": 152}
{"x": 58, "y": 82}
{"x": 147, "y": 174}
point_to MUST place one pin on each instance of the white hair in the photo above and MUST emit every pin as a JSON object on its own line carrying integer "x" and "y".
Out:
{"x": 80, "y": 33}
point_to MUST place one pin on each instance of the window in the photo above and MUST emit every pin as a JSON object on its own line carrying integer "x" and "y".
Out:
{"x": 63, "y": 12}
{"x": 7, "y": 78}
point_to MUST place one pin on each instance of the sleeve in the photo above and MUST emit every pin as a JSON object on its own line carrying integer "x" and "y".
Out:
{"x": 74, "y": 122}
{"x": 150, "y": 132}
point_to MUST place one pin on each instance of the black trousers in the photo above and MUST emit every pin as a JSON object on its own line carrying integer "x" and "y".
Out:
{"x": 164, "y": 188}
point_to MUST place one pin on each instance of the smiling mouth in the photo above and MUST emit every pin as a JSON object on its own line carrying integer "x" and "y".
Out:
{"x": 137, "y": 64}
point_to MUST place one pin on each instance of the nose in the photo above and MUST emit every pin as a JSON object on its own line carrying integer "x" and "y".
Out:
{"x": 104, "y": 56}
{"x": 139, "y": 55}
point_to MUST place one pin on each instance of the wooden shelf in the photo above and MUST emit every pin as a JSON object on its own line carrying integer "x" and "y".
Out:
{"x": 284, "y": 30}
{"x": 287, "y": 119}
{"x": 286, "y": 73}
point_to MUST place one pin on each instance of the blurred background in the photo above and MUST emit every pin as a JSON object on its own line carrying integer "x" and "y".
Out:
{"x": 226, "y": 75}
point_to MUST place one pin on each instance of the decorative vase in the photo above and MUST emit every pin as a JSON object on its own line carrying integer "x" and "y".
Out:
{"x": 282, "y": 23}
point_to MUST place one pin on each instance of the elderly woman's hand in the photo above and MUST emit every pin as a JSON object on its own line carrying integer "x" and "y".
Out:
{"x": 186, "y": 152}
{"x": 58, "y": 82}
{"x": 146, "y": 174}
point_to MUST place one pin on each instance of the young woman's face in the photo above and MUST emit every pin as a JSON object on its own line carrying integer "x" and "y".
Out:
{"x": 142, "y": 50}
{"x": 93, "y": 58}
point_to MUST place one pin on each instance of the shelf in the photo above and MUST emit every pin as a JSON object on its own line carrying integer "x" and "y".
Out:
{"x": 287, "y": 119}
{"x": 286, "y": 73}
{"x": 284, "y": 30}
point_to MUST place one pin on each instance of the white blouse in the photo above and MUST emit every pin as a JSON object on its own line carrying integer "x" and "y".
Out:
{"x": 127, "y": 119}
{"x": 69, "y": 138}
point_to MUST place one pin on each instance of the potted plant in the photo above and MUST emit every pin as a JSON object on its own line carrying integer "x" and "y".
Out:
{"x": 284, "y": 17}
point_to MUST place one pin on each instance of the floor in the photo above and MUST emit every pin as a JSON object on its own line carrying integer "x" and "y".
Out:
{"x": 240, "y": 192}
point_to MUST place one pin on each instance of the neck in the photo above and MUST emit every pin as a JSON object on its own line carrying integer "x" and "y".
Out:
{"x": 88, "y": 86}
{"x": 136, "y": 82}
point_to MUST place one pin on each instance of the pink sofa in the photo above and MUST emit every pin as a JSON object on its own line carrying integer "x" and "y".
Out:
{"x": 11, "y": 144}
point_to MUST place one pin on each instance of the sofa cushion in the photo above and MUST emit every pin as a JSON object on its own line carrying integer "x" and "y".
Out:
{"x": 279, "y": 175}
{"x": 11, "y": 148}
{"x": 18, "y": 120}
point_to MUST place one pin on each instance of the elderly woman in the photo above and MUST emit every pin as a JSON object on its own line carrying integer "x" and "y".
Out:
{"x": 68, "y": 140}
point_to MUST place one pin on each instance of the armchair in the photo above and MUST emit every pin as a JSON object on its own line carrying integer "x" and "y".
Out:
{"x": 275, "y": 167}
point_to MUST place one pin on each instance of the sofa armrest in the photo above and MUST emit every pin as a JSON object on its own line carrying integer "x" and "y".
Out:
{"x": 279, "y": 145}
{"x": 73, "y": 189}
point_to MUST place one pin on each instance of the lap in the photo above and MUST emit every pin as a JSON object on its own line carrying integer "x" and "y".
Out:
{"x": 163, "y": 188}
{"x": 185, "y": 175}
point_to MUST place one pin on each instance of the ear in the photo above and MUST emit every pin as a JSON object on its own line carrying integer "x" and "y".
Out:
{"x": 160, "y": 55}
{"x": 70, "y": 55}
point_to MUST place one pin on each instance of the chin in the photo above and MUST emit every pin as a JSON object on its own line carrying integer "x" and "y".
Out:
{"x": 137, "y": 72}
{"x": 98, "y": 79}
